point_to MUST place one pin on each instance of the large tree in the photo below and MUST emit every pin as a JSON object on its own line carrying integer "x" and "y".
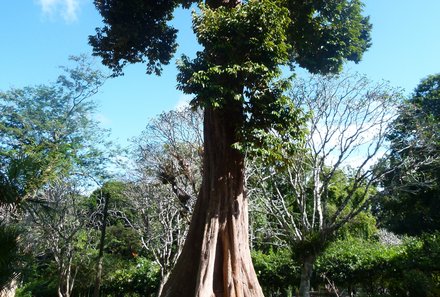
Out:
{"x": 236, "y": 79}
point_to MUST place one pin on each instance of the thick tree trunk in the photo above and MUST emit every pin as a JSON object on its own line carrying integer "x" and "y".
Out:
{"x": 215, "y": 260}
{"x": 306, "y": 275}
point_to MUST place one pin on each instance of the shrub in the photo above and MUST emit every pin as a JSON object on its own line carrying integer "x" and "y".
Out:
{"x": 276, "y": 271}
{"x": 369, "y": 268}
{"x": 140, "y": 279}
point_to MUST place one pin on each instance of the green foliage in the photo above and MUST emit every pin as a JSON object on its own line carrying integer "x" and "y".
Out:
{"x": 373, "y": 269}
{"x": 39, "y": 279}
{"x": 355, "y": 261}
{"x": 135, "y": 29}
{"x": 324, "y": 34}
{"x": 424, "y": 252}
{"x": 243, "y": 48}
{"x": 416, "y": 283}
{"x": 427, "y": 95}
{"x": 363, "y": 226}
{"x": 8, "y": 193}
{"x": 9, "y": 254}
{"x": 276, "y": 271}
{"x": 141, "y": 278}
{"x": 46, "y": 130}
{"x": 411, "y": 205}
{"x": 417, "y": 270}
{"x": 42, "y": 287}
{"x": 122, "y": 241}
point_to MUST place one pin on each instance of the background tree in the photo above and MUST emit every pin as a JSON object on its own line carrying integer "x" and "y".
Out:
{"x": 170, "y": 150}
{"x": 412, "y": 204}
{"x": 46, "y": 130}
{"x": 236, "y": 79}
{"x": 47, "y": 133}
{"x": 332, "y": 179}
{"x": 55, "y": 229}
{"x": 110, "y": 206}
{"x": 167, "y": 180}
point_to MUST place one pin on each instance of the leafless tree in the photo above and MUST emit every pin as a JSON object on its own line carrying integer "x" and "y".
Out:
{"x": 166, "y": 182}
{"x": 55, "y": 219}
{"x": 348, "y": 119}
{"x": 161, "y": 224}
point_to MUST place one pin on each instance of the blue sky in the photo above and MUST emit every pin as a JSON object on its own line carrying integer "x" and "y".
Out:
{"x": 37, "y": 36}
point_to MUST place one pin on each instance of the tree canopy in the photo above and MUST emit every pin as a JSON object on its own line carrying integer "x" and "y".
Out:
{"x": 47, "y": 130}
{"x": 321, "y": 34}
{"x": 244, "y": 47}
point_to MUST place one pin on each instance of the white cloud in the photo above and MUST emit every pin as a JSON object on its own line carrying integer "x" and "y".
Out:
{"x": 68, "y": 9}
{"x": 183, "y": 102}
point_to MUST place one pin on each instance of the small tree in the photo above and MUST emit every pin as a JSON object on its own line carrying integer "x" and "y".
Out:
{"x": 332, "y": 179}
{"x": 110, "y": 208}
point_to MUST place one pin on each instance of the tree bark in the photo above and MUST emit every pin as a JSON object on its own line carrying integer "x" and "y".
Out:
{"x": 215, "y": 260}
{"x": 306, "y": 275}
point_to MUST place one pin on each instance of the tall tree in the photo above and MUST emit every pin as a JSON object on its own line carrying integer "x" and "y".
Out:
{"x": 47, "y": 133}
{"x": 332, "y": 180}
{"x": 412, "y": 204}
{"x": 236, "y": 79}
